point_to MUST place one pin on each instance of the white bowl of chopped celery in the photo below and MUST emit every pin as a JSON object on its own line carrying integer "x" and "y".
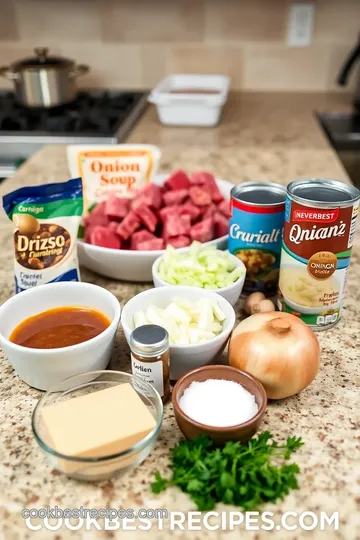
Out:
{"x": 204, "y": 267}
{"x": 199, "y": 323}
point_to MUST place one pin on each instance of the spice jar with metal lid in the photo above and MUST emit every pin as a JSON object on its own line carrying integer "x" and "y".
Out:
{"x": 150, "y": 357}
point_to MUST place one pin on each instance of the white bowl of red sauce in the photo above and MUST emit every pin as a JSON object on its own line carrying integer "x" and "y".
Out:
{"x": 57, "y": 330}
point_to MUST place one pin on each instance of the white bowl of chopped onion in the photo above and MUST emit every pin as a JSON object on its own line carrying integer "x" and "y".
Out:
{"x": 203, "y": 267}
{"x": 199, "y": 323}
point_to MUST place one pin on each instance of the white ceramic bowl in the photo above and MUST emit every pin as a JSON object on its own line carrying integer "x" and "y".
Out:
{"x": 44, "y": 368}
{"x": 230, "y": 293}
{"x": 183, "y": 358}
{"x": 130, "y": 265}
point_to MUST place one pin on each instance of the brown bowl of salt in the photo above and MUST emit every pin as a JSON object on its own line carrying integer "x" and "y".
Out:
{"x": 222, "y": 402}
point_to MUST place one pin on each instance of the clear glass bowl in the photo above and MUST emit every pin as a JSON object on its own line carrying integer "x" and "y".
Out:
{"x": 98, "y": 468}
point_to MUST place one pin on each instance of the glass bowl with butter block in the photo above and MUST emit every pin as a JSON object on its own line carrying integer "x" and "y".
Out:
{"x": 98, "y": 424}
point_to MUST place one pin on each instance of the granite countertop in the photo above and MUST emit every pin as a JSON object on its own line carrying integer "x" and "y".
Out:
{"x": 273, "y": 137}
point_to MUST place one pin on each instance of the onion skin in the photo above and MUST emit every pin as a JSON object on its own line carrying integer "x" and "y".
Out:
{"x": 277, "y": 348}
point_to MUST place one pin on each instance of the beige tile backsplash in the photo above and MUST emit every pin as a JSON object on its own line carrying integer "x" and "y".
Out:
{"x": 152, "y": 21}
{"x": 134, "y": 43}
{"x": 245, "y": 20}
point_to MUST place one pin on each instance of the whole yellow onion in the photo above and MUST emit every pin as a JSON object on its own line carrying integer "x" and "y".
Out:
{"x": 277, "y": 348}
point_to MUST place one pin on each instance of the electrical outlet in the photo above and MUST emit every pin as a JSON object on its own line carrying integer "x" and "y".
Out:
{"x": 301, "y": 22}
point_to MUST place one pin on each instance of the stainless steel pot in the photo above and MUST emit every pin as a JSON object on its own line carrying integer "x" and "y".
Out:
{"x": 44, "y": 81}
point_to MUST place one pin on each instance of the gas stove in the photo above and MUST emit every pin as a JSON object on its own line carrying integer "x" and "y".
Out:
{"x": 95, "y": 117}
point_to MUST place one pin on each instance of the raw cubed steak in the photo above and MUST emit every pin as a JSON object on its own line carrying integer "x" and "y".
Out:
{"x": 200, "y": 177}
{"x": 178, "y": 180}
{"x": 125, "y": 244}
{"x": 116, "y": 208}
{"x": 113, "y": 225}
{"x": 217, "y": 196}
{"x": 97, "y": 216}
{"x": 224, "y": 208}
{"x": 202, "y": 231}
{"x": 99, "y": 209}
{"x": 199, "y": 196}
{"x": 172, "y": 198}
{"x": 207, "y": 189}
{"x": 128, "y": 225}
{"x": 207, "y": 180}
{"x": 176, "y": 225}
{"x": 152, "y": 195}
{"x": 87, "y": 233}
{"x": 95, "y": 219}
{"x": 138, "y": 201}
{"x": 221, "y": 225}
{"x": 147, "y": 217}
{"x": 195, "y": 180}
{"x": 104, "y": 237}
{"x": 168, "y": 211}
{"x": 179, "y": 241}
{"x": 190, "y": 209}
{"x": 210, "y": 211}
{"x": 151, "y": 245}
{"x": 140, "y": 236}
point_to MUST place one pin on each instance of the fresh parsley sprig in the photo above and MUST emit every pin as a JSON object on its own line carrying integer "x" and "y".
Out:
{"x": 245, "y": 475}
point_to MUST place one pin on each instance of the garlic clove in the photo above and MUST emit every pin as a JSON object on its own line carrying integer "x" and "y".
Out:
{"x": 252, "y": 300}
{"x": 265, "y": 306}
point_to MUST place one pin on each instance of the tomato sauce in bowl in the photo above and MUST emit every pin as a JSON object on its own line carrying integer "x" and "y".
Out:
{"x": 59, "y": 327}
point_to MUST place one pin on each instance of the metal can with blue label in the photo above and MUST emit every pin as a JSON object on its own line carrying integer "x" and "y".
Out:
{"x": 255, "y": 233}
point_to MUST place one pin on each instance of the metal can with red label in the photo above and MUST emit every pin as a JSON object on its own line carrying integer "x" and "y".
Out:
{"x": 319, "y": 229}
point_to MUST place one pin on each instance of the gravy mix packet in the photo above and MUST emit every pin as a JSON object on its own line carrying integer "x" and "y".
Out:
{"x": 118, "y": 169}
{"x": 47, "y": 220}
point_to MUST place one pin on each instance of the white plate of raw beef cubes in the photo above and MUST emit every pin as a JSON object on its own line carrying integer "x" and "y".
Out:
{"x": 123, "y": 237}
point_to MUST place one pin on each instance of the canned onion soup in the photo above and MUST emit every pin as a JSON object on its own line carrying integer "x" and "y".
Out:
{"x": 319, "y": 228}
{"x": 255, "y": 232}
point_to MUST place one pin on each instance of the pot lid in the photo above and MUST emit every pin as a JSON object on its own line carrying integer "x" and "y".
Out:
{"x": 42, "y": 60}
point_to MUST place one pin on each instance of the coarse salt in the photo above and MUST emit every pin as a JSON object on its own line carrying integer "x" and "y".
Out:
{"x": 218, "y": 403}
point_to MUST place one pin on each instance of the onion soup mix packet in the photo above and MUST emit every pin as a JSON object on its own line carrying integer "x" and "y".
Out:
{"x": 117, "y": 169}
{"x": 46, "y": 220}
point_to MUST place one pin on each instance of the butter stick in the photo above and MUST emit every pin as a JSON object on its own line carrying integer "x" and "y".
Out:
{"x": 101, "y": 423}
